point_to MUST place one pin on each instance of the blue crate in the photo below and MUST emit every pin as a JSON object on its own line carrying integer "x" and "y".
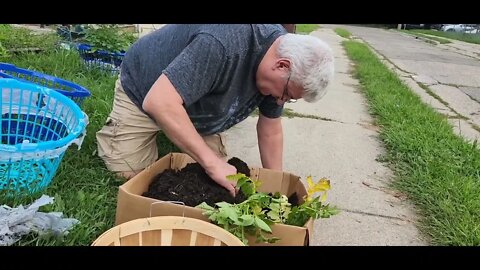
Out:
{"x": 74, "y": 91}
{"x": 37, "y": 126}
{"x": 107, "y": 61}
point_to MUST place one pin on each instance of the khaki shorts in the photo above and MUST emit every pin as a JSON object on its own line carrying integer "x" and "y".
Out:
{"x": 127, "y": 141}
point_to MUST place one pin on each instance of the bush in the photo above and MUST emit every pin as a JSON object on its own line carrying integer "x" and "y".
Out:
{"x": 109, "y": 38}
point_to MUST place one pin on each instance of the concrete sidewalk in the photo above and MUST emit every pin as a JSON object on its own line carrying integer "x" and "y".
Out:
{"x": 343, "y": 146}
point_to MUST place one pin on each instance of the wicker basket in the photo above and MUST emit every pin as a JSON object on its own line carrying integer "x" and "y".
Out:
{"x": 167, "y": 231}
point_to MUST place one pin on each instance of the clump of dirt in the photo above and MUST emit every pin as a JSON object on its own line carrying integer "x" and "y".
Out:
{"x": 240, "y": 165}
{"x": 192, "y": 185}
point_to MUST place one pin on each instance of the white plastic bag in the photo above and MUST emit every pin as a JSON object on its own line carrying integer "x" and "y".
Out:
{"x": 19, "y": 221}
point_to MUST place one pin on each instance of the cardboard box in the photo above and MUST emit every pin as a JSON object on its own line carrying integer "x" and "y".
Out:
{"x": 132, "y": 205}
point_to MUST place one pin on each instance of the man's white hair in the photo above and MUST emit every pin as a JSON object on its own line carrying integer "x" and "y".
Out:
{"x": 312, "y": 63}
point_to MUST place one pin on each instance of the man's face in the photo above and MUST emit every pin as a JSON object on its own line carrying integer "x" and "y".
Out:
{"x": 275, "y": 81}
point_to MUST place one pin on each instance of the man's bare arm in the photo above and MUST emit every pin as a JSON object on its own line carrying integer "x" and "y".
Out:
{"x": 270, "y": 142}
{"x": 165, "y": 105}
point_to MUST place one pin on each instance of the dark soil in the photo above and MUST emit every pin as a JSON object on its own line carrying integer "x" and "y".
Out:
{"x": 192, "y": 186}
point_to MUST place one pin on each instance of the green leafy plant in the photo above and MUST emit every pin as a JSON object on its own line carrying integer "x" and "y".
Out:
{"x": 313, "y": 207}
{"x": 109, "y": 38}
{"x": 260, "y": 210}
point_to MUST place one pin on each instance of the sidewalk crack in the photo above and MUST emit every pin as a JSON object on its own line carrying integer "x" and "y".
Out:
{"x": 374, "y": 215}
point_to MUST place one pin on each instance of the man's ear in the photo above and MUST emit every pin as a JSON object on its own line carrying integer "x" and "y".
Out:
{"x": 283, "y": 64}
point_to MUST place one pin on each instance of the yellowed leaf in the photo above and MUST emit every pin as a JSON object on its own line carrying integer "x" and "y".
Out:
{"x": 310, "y": 181}
{"x": 324, "y": 197}
{"x": 322, "y": 185}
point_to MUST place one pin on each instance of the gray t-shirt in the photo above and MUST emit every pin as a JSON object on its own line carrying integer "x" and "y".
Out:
{"x": 212, "y": 67}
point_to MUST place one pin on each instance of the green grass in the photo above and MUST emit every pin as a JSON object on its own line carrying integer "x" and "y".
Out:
{"x": 306, "y": 28}
{"x": 15, "y": 38}
{"x": 421, "y": 34}
{"x": 83, "y": 188}
{"x": 437, "y": 169}
{"x": 343, "y": 33}
{"x": 289, "y": 113}
{"x": 470, "y": 38}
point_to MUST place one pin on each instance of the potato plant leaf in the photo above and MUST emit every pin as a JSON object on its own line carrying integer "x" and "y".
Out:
{"x": 262, "y": 225}
{"x": 260, "y": 210}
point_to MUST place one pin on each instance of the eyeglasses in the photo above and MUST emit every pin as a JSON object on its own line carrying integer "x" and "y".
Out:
{"x": 285, "y": 94}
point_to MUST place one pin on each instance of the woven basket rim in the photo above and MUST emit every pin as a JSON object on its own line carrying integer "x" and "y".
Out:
{"x": 115, "y": 234}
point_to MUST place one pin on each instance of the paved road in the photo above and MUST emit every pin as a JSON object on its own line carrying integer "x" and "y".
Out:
{"x": 451, "y": 71}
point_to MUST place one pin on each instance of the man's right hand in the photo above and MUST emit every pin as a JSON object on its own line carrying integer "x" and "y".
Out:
{"x": 219, "y": 172}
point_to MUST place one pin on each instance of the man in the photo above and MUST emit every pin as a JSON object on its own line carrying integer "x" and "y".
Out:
{"x": 195, "y": 81}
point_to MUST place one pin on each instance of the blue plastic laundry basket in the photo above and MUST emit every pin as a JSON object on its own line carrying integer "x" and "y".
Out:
{"x": 107, "y": 61}
{"x": 67, "y": 88}
{"x": 37, "y": 125}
